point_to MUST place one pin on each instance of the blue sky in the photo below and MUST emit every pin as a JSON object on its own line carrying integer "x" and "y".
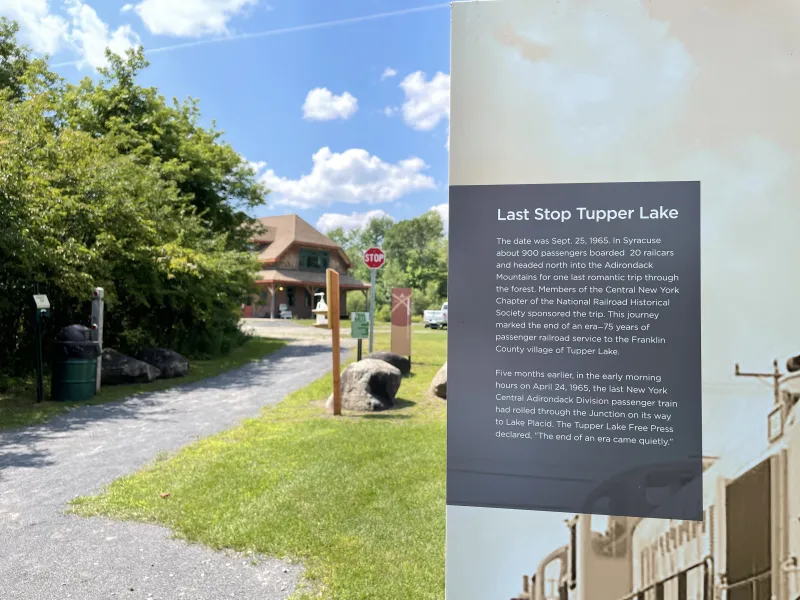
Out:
{"x": 343, "y": 107}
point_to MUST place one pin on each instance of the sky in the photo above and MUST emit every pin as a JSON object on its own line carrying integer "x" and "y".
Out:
{"x": 342, "y": 107}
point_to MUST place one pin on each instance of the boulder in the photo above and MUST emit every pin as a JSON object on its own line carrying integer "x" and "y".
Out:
{"x": 170, "y": 363}
{"x": 397, "y": 361}
{"x": 118, "y": 368}
{"x": 439, "y": 384}
{"x": 369, "y": 385}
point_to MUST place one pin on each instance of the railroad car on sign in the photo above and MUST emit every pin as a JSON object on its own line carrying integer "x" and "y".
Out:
{"x": 747, "y": 546}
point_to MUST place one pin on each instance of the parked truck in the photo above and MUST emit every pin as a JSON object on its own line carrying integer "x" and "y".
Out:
{"x": 436, "y": 319}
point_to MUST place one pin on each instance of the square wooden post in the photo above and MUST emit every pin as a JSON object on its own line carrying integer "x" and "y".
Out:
{"x": 332, "y": 281}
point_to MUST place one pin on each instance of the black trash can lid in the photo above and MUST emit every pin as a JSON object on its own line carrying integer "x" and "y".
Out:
{"x": 83, "y": 350}
{"x": 75, "y": 333}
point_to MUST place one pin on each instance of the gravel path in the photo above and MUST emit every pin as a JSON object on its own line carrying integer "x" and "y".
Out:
{"x": 46, "y": 554}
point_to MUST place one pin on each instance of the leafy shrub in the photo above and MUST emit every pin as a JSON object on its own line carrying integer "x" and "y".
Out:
{"x": 106, "y": 184}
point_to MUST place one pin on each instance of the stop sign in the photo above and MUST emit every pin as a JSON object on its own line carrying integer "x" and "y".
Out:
{"x": 374, "y": 258}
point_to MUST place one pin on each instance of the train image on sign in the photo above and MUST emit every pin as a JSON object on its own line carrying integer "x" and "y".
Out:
{"x": 745, "y": 548}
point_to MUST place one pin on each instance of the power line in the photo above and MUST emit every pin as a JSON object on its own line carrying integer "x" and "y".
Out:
{"x": 775, "y": 376}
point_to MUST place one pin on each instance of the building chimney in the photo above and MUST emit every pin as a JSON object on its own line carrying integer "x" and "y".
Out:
{"x": 525, "y": 586}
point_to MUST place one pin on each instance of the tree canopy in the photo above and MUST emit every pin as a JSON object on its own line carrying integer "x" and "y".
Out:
{"x": 107, "y": 184}
{"x": 416, "y": 257}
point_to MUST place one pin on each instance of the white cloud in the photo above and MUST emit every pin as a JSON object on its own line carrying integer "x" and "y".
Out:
{"x": 353, "y": 177}
{"x": 388, "y": 73}
{"x": 43, "y": 31}
{"x": 444, "y": 212}
{"x": 190, "y": 18}
{"x": 390, "y": 111}
{"x": 257, "y": 166}
{"x": 127, "y": 8}
{"x": 323, "y": 105}
{"x": 81, "y": 28}
{"x": 91, "y": 36}
{"x": 427, "y": 102}
{"x": 591, "y": 84}
{"x": 330, "y": 221}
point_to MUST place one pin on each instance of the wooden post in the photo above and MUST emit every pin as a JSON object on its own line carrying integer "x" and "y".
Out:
{"x": 332, "y": 281}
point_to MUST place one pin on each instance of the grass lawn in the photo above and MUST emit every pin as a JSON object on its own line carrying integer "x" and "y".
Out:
{"x": 18, "y": 408}
{"x": 359, "y": 500}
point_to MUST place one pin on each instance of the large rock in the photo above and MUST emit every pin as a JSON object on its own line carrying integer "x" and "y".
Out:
{"x": 118, "y": 368}
{"x": 439, "y": 384}
{"x": 369, "y": 385}
{"x": 170, "y": 363}
{"x": 397, "y": 361}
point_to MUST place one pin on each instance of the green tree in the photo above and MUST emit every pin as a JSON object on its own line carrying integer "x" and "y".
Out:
{"x": 84, "y": 206}
{"x": 417, "y": 251}
{"x": 416, "y": 257}
{"x": 208, "y": 173}
{"x": 14, "y": 60}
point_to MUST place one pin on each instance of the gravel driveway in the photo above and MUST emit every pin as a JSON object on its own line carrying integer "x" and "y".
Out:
{"x": 45, "y": 554}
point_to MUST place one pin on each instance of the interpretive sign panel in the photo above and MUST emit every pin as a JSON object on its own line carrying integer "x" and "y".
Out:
{"x": 359, "y": 325}
{"x": 576, "y": 362}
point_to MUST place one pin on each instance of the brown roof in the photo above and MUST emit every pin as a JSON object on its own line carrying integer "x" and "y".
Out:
{"x": 286, "y": 230}
{"x": 291, "y": 277}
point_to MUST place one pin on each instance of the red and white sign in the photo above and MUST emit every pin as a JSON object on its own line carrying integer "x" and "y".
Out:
{"x": 374, "y": 258}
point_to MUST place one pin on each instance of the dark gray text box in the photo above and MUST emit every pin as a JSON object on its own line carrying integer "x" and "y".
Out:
{"x": 606, "y": 296}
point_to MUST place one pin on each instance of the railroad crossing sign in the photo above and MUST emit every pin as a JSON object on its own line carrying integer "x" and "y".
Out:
{"x": 374, "y": 258}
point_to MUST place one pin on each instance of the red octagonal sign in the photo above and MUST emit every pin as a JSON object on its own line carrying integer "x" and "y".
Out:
{"x": 374, "y": 258}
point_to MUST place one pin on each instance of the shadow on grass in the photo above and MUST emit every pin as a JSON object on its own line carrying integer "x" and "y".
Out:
{"x": 400, "y": 404}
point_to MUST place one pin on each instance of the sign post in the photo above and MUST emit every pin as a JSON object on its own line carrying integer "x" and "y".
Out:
{"x": 332, "y": 286}
{"x": 374, "y": 258}
{"x": 42, "y": 307}
{"x": 401, "y": 321}
{"x": 359, "y": 328}
{"x": 98, "y": 305}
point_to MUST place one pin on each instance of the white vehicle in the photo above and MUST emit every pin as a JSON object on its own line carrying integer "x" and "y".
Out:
{"x": 436, "y": 319}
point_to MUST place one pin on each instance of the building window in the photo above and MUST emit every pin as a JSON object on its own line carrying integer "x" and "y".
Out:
{"x": 314, "y": 260}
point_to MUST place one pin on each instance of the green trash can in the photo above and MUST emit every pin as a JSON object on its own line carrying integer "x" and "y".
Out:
{"x": 74, "y": 365}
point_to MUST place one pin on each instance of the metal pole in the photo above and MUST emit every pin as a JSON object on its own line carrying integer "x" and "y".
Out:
{"x": 98, "y": 305}
{"x": 358, "y": 357}
{"x": 371, "y": 309}
{"x": 39, "y": 359}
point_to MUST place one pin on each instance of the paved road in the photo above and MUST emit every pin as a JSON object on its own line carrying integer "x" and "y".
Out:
{"x": 45, "y": 554}
{"x": 285, "y": 329}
